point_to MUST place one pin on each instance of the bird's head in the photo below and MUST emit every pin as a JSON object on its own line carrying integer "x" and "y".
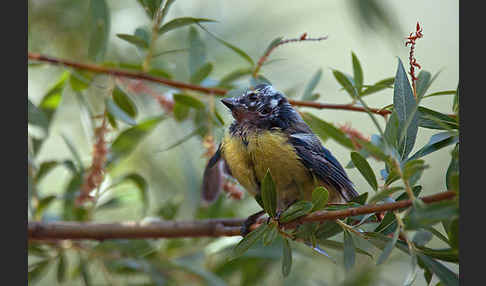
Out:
{"x": 262, "y": 107}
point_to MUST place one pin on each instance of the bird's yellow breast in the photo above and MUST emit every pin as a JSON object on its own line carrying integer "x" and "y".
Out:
{"x": 268, "y": 150}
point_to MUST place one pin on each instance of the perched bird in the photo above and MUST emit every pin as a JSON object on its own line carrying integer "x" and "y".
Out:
{"x": 268, "y": 133}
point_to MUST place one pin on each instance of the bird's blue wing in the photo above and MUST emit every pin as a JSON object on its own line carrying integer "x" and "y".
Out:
{"x": 322, "y": 163}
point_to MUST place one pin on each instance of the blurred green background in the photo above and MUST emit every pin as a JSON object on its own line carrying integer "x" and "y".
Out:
{"x": 59, "y": 28}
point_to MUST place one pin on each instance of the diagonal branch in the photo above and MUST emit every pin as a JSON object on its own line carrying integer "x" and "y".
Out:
{"x": 182, "y": 85}
{"x": 38, "y": 230}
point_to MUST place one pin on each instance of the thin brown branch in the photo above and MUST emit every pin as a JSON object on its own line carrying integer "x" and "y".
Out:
{"x": 203, "y": 228}
{"x": 183, "y": 85}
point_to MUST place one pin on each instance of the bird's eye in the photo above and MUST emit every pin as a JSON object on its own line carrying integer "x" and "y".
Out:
{"x": 252, "y": 97}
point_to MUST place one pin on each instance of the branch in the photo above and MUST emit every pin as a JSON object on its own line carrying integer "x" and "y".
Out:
{"x": 203, "y": 228}
{"x": 183, "y": 85}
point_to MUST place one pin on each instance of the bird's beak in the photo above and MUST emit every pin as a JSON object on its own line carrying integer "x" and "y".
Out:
{"x": 229, "y": 102}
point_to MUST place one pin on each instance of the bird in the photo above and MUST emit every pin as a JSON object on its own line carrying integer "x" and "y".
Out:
{"x": 269, "y": 134}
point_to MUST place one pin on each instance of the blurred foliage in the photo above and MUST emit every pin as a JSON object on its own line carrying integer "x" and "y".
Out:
{"x": 267, "y": 255}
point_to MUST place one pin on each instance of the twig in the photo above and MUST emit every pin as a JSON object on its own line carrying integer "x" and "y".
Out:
{"x": 413, "y": 61}
{"x": 38, "y": 230}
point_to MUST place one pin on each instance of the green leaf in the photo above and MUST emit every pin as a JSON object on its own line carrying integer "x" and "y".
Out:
{"x": 188, "y": 100}
{"x": 125, "y": 102}
{"x": 308, "y": 95}
{"x": 422, "y": 237}
{"x": 438, "y": 93}
{"x": 272, "y": 44}
{"x": 61, "y": 267}
{"x": 181, "y": 111}
{"x": 248, "y": 241}
{"x": 405, "y": 105}
{"x": 349, "y": 252}
{"x": 44, "y": 204}
{"x": 150, "y": 6}
{"x": 452, "y": 174}
{"x": 141, "y": 185}
{"x": 435, "y": 120}
{"x": 445, "y": 275}
{"x": 99, "y": 29}
{"x": 346, "y": 82}
{"x": 340, "y": 246}
{"x": 412, "y": 167}
{"x": 378, "y": 86}
{"x": 453, "y": 233}
{"x": 234, "y": 75}
{"x": 133, "y": 39}
{"x": 444, "y": 254}
{"x": 129, "y": 139}
{"x": 361, "y": 199}
{"x": 197, "y": 51}
{"x": 181, "y": 22}
{"x": 320, "y": 197}
{"x": 37, "y": 271}
{"x": 429, "y": 214}
{"x": 357, "y": 72}
{"x": 295, "y": 210}
{"x": 320, "y": 127}
{"x": 80, "y": 79}
{"x": 455, "y": 102}
{"x": 270, "y": 235}
{"x": 235, "y": 49}
{"x": 50, "y": 102}
{"x": 74, "y": 152}
{"x": 44, "y": 168}
{"x": 36, "y": 117}
{"x": 392, "y": 131}
{"x": 365, "y": 169}
{"x": 269, "y": 195}
{"x": 202, "y": 73}
{"x": 436, "y": 142}
{"x": 287, "y": 257}
{"x": 328, "y": 229}
{"x": 423, "y": 83}
{"x": 114, "y": 110}
{"x": 388, "y": 248}
{"x": 384, "y": 194}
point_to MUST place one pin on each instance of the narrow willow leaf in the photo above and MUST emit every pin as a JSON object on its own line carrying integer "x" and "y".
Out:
{"x": 44, "y": 168}
{"x": 99, "y": 29}
{"x": 365, "y": 169}
{"x": 272, "y": 44}
{"x": 37, "y": 117}
{"x": 346, "y": 82}
{"x": 436, "y": 142}
{"x": 340, "y": 246}
{"x": 349, "y": 251}
{"x": 202, "y": 73}
{"x": 43, "y": 204}
{"x": 388, "y": 248}
{"x": 361, "y": 199}
{"x": 435, "y": 120}
{"x": 455, "y": 102}
{"x": 452, "y": 174}
{"x": 287, "y": 257}
{"x": 438, "y": 93}
{"x": 248, "y": 241}
{"x": 328, "y": 229}
{"x": 422, "y": 237}
{"x": 320, "y": 126}
{"x": 181, "y": 22}
{"x": 270, "y": 235}
{"x": 114, "y": 110}
{"x": 234, "y": 75}
{"x": 453, "y": 233}
{"x": 235, "y": 49}
{"x": 320, "y": 197}
{"x": 405, "y": 105}
{"x": 295, "y": 210}
{"x": 308, "y": 92}
{"x": 133, "y": 39}
{"x": 384, "y": 194}
{"x": 181, "y": 111}
{"x": 142, "y": 187}
{"x": 412, "y": 167}
{"x": 74, "y": 152}
{"x": 180, "y": 141}
{"x": 129, "y": 139}
{"x": 61, "y": 267}
{"x": 445, "y": 275}
{"x": 150, "y": 6}
{"x": 357, "y": 72}
{"x": 188, "y": 100}
{"x": 269, "y": 195}
{"x": 80, "y": 80}
{"x": 379, "y": 86}
{"x": 392, "y": 131}
{"x": 197, "y": 51}
{"x": 37, "y": 271}
{"x": 412, "y": 275}
{"x": 423, "y": 83}
{"x": 124, "y": 101}
{"x": 422, "y": 216}
{"x": 444, "y": 254}
{"x": 51, "y": 100}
